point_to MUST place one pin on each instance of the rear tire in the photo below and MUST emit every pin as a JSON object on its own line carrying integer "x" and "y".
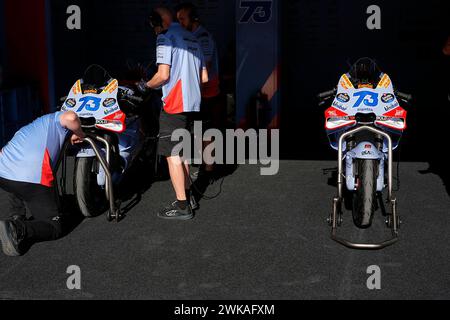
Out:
{"x": 365, "y": 197}
{"x": 91, "y": 198}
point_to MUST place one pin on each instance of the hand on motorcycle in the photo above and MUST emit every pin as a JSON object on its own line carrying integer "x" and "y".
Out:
{"x": 74, "y": 139}
{"x": 142, "y": 86}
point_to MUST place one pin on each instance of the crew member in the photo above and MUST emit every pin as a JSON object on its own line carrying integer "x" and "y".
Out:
{"x": 211, "y": 113}
{"x": 26, "y": 173}
{"x": 181, "y": 71}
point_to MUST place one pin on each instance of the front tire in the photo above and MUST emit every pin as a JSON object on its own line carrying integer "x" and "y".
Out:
{"x": 364, "y": 199}
{"x": 91, "y": 198}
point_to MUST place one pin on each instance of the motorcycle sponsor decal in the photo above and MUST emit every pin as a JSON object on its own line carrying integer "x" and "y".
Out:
{"x": 101, "y": 121}
{"x": 365, "y": 85}
{"x": 339, "y": 106}
{"x": 110, "y": 111}
{"x": 343, "y": 97}
{"x": 385, "y": 82}
{"x": 387, "y": 97}
{"x": 77, "y": 87}
{"x": 368, "y": 146}
{"x": 397, "y": 113}
{"x": 367, "y": 153}
{"x": 369, "y": 98}
{"x": 109, "y": 102}
{"x": 400, "y": 113}
{"x": 118, "y": 116}
{"x": 346, "y": 83}
{"x": 84, "y": 115}
{"x": 112, "y": 86}
{"x": 365, "y": 110}
{"x": 89, "y": 103}
{"x": 70, "y": 103}
{"x": 91, "y": 91}
{"x": 391, "y": 106}
{"x": 333, "y": 112}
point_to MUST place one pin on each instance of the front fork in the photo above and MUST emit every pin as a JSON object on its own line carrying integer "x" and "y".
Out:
{"x": 335, "y": 219}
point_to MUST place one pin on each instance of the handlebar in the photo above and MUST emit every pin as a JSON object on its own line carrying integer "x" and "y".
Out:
{"x": 404, "y": 96}
{"x": 326, "y": 94}
{"x": 133, "y": 99}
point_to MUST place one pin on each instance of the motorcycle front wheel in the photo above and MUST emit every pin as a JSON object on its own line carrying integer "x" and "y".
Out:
{"x": 364, "y": 198}
{"x": 91, "y": 198}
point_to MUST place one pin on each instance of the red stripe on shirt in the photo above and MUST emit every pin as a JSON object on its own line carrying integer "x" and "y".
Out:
{"x": 47, "y": 172}
{"x": 173, "y": 103}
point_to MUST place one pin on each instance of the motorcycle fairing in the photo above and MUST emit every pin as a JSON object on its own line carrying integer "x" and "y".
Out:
{"x": 385, "y": 82}
{"x": 102, "y": 106}
{"x": 350, "y": 101}
{"x": 365, "y": 150}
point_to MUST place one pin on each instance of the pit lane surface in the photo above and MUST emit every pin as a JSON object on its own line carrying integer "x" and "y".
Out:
{"x": 261, "y": 238}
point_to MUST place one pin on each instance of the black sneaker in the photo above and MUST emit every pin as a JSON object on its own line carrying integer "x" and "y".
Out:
{"x": 174, "y": 212}
{"x": 12, "y": 234}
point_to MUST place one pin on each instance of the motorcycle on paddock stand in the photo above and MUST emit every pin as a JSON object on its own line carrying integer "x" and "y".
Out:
{"x": 110, "y": 116}
{"x": 364, "y": 124}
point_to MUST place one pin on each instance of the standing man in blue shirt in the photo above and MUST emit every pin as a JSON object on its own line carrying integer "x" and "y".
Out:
{"x": 26, "y": 174}
{"x": 181, "y": 72}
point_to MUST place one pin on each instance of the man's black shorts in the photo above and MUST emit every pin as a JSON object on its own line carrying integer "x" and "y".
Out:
{"x": 168, "y": 123}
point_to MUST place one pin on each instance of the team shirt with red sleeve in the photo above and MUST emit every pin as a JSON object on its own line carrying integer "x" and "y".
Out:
{"x": 32, "y": 153}
{"x": 181, "y": 50}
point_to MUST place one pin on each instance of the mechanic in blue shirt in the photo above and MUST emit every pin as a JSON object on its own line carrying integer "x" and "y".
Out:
{"x": 26, "y": 174}
{"x": 181, "y": 72}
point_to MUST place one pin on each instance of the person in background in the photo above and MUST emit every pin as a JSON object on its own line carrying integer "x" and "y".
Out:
{"x": 211, "y": 112}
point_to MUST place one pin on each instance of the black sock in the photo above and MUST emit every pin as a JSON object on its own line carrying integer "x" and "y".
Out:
{"x": 182, "y": 204}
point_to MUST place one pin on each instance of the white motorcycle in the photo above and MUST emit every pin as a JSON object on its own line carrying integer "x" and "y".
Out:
{"x": 364, "y": 123}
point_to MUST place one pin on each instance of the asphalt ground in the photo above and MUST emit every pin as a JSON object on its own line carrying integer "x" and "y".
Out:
{"x": 262, "y": 237}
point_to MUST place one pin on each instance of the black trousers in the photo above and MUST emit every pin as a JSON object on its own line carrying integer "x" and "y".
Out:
{"x": 39, "y": 202}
